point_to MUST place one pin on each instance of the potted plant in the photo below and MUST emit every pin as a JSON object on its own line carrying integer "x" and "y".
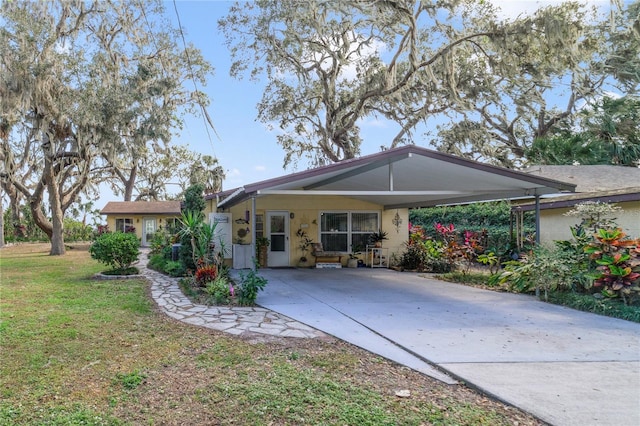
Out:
{"x": 261, "y": 250}
{"x": 376, "y": 238}
{"x": 303, "y": 245}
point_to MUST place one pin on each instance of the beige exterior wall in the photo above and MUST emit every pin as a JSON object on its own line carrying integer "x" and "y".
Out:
{"x": 306, "y": 215}
{"x": 161, "y": 221}
{"x": 554, "y": 226}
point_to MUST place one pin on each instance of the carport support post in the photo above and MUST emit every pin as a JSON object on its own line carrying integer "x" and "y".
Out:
{"x": 537, "y": 233}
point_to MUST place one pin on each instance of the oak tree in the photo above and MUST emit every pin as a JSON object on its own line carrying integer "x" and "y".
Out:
{"x": 81, "y": 82}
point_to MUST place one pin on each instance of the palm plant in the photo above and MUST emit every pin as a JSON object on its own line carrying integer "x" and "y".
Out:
{"x": 191, "y": 228}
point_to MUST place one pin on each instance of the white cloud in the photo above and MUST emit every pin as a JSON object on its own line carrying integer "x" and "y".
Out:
{"x": 260, "y": 168}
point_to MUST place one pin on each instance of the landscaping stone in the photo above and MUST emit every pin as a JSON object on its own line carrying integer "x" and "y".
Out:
{"x": 236, "y": 321}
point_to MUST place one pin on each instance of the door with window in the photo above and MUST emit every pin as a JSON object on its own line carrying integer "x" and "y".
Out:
{"x": 278, "y": 234}
{"x": 148, "y": 229}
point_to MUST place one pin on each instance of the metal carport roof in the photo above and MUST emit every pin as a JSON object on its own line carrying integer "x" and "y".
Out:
{"x": 409, "y": 176}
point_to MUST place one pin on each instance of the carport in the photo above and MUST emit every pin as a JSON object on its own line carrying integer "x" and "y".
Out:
{"x": 404, "y": 177}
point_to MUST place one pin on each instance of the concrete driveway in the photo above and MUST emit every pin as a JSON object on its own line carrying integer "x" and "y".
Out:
{"x": 564, "y": 366}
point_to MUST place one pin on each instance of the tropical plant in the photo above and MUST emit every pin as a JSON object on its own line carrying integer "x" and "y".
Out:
{"x": 205, "y": 247}
{"x": 454, "y": 252}
{"x": 378, "y": 237}
{"x": 205, "y": 274}
{"x": 250, "y": 284}
{"x": 595, "y": 214}
{"x": 515, "y": 275}
{"x": 119, "y": 250}
{"x": 618, "y": 263}
{"x": 191, "y": 225}
{"x": 423, "y": 253}
{"x": 304, "y": 242}
{"x": 220, "y": 289}
{"x": 490, "y": 259}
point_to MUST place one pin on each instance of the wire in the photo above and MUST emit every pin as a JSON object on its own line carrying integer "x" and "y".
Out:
{"x": 205, "y": 115}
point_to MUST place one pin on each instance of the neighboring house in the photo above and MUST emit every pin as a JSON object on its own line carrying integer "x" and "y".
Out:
{"x": 340, "y": 204}
{"x": 141, "y": 217}
{"x": 603, "y": 183}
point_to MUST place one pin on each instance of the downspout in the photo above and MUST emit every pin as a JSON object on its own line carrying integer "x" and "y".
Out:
{"x": 537, "y": 234}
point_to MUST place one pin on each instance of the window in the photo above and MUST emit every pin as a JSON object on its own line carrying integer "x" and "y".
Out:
{"x": 259, "y": 225}
{"x": 125, "y": 225}
{"x": 347, "y": 231}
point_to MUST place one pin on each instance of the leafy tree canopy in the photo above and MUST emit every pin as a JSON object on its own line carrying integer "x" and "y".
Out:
{"x": 330, "y": 64}
{"x": 608, "y": 133}
{"x": 546, "y": 90}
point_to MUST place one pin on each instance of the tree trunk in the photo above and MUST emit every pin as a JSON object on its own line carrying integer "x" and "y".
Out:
{"x": 1, "y": 221}
{"x": 14, "y": 207}
{"x": 129, "y": 183}
{"x": 57, "y": 218}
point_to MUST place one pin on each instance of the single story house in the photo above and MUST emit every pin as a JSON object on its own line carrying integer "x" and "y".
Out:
{"x": 341, "y": 204}
{"x": 603, "y": 183}
{"x": 141, "y": 217}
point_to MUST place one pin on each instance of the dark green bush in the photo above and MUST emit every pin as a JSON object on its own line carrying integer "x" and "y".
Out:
{"x": 174, "y": 268}
{"x": 157, "y": 262}
{"x": 413, "y": 258}
{"x": 118, "y": 250}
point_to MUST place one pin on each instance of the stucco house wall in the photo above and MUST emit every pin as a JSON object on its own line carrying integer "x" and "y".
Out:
{"x": 304, "y": 213}
{"x": 138, "y": 214}
{"x": 618, "y": 185}
{"x": 555, "y": 226}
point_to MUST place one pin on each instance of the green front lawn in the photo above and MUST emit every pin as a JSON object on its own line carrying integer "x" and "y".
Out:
{"x": 79, "y": 351}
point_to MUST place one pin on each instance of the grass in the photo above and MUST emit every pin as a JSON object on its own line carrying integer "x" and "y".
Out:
{"x": 82, "y": 351}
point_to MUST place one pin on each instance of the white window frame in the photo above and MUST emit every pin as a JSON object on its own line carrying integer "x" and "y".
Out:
{"x": 126, "y": 221}
{"x": 349, "y": 232}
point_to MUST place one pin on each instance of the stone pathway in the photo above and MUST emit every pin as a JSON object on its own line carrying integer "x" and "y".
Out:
{"x": 233, "y": 320}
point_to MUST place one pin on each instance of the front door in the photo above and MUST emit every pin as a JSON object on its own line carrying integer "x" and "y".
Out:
{"x": 278, "y": 234}
{"x": 148, "y": 229}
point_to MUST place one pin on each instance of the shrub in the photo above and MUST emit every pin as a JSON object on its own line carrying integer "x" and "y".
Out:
{"x": 160, "y": 241}
{"x": 206, "y": 274}
{"x": 174, "y": 268}
{"x": 75, "y": 230}
{"x": 157, "y": 262}
{"x": 250, "y": 284}
{"x": 118, "y": 250}
{"x": 220, "y": 289}
{"x": 413, "y": 258}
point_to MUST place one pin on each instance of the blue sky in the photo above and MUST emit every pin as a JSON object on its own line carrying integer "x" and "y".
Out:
{"x": 245, "y": 147}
